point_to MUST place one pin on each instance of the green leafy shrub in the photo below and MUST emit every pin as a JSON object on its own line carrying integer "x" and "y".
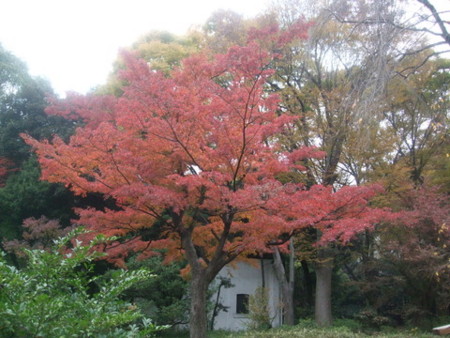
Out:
{"x": 259, "y": 310}
{"x": 52, "y": 295}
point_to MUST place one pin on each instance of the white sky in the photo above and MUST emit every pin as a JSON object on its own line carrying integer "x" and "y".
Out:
{"x": 73, "y": 43}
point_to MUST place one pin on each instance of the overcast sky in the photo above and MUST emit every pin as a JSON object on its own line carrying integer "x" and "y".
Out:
{"x": 73, "y": 43}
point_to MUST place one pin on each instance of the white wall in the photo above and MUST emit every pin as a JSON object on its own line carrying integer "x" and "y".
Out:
{"x": 246, "y": 278}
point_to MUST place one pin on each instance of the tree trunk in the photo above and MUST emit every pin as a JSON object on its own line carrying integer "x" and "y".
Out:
{"x": 201, "y": 275}
{"x": 308, "y": 284}
{"x": 324, "y": 270}
{"x": 198, "y": 319}
{"x": 287, "y": 285}
{"x": 288, "y": 304}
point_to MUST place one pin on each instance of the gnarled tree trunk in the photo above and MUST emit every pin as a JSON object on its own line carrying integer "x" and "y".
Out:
{"x": 287, "y": 284}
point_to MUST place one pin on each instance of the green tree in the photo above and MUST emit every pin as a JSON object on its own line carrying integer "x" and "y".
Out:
{"x": 24, "y": 196}
{"x": 416, "y": 113}
{"x": 162, "y": 50}
{"x": 22, "y": 103}
{"x": 223, "y": 29}
{"x": 164, "y": 296}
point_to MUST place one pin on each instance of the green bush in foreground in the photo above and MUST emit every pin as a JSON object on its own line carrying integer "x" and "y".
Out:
{"x": 52, "y": 296}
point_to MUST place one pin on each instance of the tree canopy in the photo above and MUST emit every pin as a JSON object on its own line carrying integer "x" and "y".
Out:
{"x": 195, "y": 154}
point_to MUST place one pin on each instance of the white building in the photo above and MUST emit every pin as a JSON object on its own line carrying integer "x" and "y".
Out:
{"x": 246, "y": 277}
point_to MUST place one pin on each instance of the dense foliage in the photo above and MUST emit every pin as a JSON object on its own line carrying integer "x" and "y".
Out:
{"x": 22, "y": 195}
{"x": 165, "y": 296}
{"x": 57, "y": 294}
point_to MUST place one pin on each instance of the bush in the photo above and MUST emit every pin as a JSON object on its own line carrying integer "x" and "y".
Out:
{"x": 163, "y": 297}
{"x": 259, "y": 310}
{"x": 52, "y": 295}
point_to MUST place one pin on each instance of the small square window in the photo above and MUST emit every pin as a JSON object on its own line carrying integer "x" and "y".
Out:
{"x": 242, "y": 303}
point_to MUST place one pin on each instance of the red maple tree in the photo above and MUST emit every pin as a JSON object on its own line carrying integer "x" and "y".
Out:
{"x": 194, "y": 153}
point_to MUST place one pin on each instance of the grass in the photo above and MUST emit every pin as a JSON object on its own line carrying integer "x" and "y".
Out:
{"x": 318, "y": 333}
{"x": 307, "y": 329}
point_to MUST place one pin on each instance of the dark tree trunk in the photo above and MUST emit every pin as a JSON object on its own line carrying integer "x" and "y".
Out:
{"x": 308, "y": 284}
{"x": 324, "y": 270}
{"x": 201, "y": 277}
{"x": 199, "y": 287}
{"x": 203, "y": 271}
{"x": 198, "y": 319}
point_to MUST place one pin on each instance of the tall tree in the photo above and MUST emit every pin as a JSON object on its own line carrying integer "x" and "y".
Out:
{"x": 194, "y": 155}
{"x": 22, "y": 103}
{"x": 191, "y": 151}
{"x": 335, "y": 80}
{"x": 329, "y": 81}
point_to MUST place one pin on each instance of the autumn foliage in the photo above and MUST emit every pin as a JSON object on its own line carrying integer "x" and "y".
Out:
{"x": 196, "y": 154}
{"x": 172, "y": 147}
